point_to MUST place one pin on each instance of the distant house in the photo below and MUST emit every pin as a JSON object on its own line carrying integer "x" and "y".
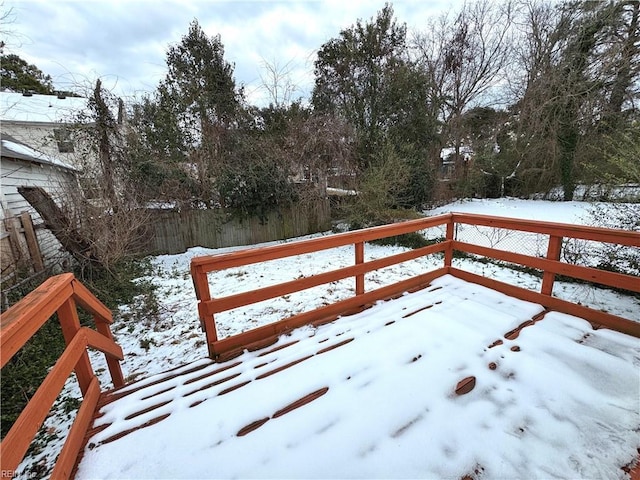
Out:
{"x": 47, "y": 123}
{"x": 24, "y": 166}
{"x": 449, "y": 162}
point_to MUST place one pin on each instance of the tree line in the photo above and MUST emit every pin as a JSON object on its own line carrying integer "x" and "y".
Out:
{"x": 543, "y": 95}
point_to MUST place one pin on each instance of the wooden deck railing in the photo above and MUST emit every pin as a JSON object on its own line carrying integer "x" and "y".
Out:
{"x": 550, "y": 266}
{"x": 208, "y": 306}
{"x": 60, "y": 294}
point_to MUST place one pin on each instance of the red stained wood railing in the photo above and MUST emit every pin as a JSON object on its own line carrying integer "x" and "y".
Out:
{"x": 550, "y": 266}
{"x": 553, "y": 265}
{"x": 208, "y": 306}
{"x": 60, "y": 294}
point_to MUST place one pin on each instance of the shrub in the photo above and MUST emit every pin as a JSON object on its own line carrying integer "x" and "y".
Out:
{"x": 411, "y": 240}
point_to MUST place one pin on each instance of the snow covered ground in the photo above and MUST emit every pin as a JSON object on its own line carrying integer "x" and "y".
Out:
{"x": 173, "y": 337}
{"x": 564, "y": 212}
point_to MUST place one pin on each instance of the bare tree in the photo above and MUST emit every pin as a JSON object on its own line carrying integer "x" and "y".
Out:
{"x": 464, "y": 57}
{"x": 278, "y": 83}
{"x": 579, "y": 65}
{"x": 99, "y": 220}
{"x": 319, "y": 144}
{"x": 620, "y": 62}
{"x": 537, "y": 33}
{"x": 7, "y": 17}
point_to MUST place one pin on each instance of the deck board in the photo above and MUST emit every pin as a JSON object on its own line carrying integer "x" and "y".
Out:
{"x": 389, "y": 378}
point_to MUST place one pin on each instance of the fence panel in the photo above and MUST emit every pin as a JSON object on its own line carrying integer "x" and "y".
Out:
{"x": 20, "y": 248}
{"x": 175, "y": 232}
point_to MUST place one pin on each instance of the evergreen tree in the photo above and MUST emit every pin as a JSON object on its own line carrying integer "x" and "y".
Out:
{"x": 200, "y": 84}
{"x": 16, "y": 75}
{"x": 354, "y": 77}
{"x": 199, "y": 93}
{"x": 366, "y": 77}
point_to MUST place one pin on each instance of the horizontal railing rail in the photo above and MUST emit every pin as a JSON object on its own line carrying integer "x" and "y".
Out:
{"x": 286, "y": 288}
{"x": 209, "y": 306}
{"x": 569, "y": 230}
{"x": 557, "y": 233}
{"x": 57, "y": 295}
{"x": 550, "y": 266}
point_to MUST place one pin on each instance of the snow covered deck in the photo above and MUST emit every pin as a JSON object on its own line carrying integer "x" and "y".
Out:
{"x": 381, "y": 394}
{"x": 439, "y": 372}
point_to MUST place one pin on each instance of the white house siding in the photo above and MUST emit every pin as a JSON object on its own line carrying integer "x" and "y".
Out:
{"x": 17, "y": 173}
{"x": 40, "y": 137}
{"x": 34, "y": 119}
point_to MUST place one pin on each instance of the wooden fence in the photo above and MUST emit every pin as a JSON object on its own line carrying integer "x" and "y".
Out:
{"x": 29, "y": 253}
{"x": 19, "y": 245}
{"x": 174, "y": 232}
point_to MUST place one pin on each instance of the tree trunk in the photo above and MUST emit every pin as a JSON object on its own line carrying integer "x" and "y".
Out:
{"x": 624, "y": 76}
{"x": 103, "y": 125}
{"x": 568, "y": 140}
{"x": 60, "y": 224}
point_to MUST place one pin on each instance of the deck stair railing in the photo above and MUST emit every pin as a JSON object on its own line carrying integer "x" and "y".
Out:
{"x": 448, "y": 225}
{"x": 58, "y": 295}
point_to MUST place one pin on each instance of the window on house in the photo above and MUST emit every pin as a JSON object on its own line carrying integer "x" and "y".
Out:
{"x": 447, "y": 169}
{"x": 64, "y": 140}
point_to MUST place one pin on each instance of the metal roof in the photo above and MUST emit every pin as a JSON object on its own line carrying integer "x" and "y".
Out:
{"x": 34, "y": 108}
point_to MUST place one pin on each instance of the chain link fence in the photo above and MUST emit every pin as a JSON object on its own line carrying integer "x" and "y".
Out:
{"x": 525, "y": 243}
{"x": 601, "y": 255}
{"x": 588, "y": 253}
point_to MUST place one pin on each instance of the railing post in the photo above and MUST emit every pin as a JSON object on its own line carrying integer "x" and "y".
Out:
{"x": 359, "y": 260}
{"x": 70, "y": 324}
{"x": 553, "y": 253}
{"x": 113, "y": 364}
{"x": 448, "y": 252}
{"x": 207, "y": 321}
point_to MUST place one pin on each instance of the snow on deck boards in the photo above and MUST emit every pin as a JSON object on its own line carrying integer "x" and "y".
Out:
{"x": 372, "y": 395}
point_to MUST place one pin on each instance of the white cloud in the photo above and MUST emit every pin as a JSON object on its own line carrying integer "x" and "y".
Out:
{"x": 125, "y": 43}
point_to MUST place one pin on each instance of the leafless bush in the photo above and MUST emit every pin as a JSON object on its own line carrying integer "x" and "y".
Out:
{"x": 113, "y": 232}
{"x": 619, "y": 258}
{"x": 379, "y": 191}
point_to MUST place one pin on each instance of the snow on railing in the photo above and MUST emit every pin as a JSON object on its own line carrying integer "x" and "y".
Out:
{"x": 209, "y": 306}
{"x": 555, "y": 262}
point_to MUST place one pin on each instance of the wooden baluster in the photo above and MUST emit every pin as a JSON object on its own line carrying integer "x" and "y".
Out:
{"x": 448, "y": 253}
{"x": 112, "y": 363}
{"x": 70, "y": 323}
{"x": 359, "y": 260}
{"x": 553, "y": 253}
{"x": 207, "y": 321}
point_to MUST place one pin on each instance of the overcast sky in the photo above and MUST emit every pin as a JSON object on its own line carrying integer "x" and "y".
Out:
{"x": 125, "y": 42}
